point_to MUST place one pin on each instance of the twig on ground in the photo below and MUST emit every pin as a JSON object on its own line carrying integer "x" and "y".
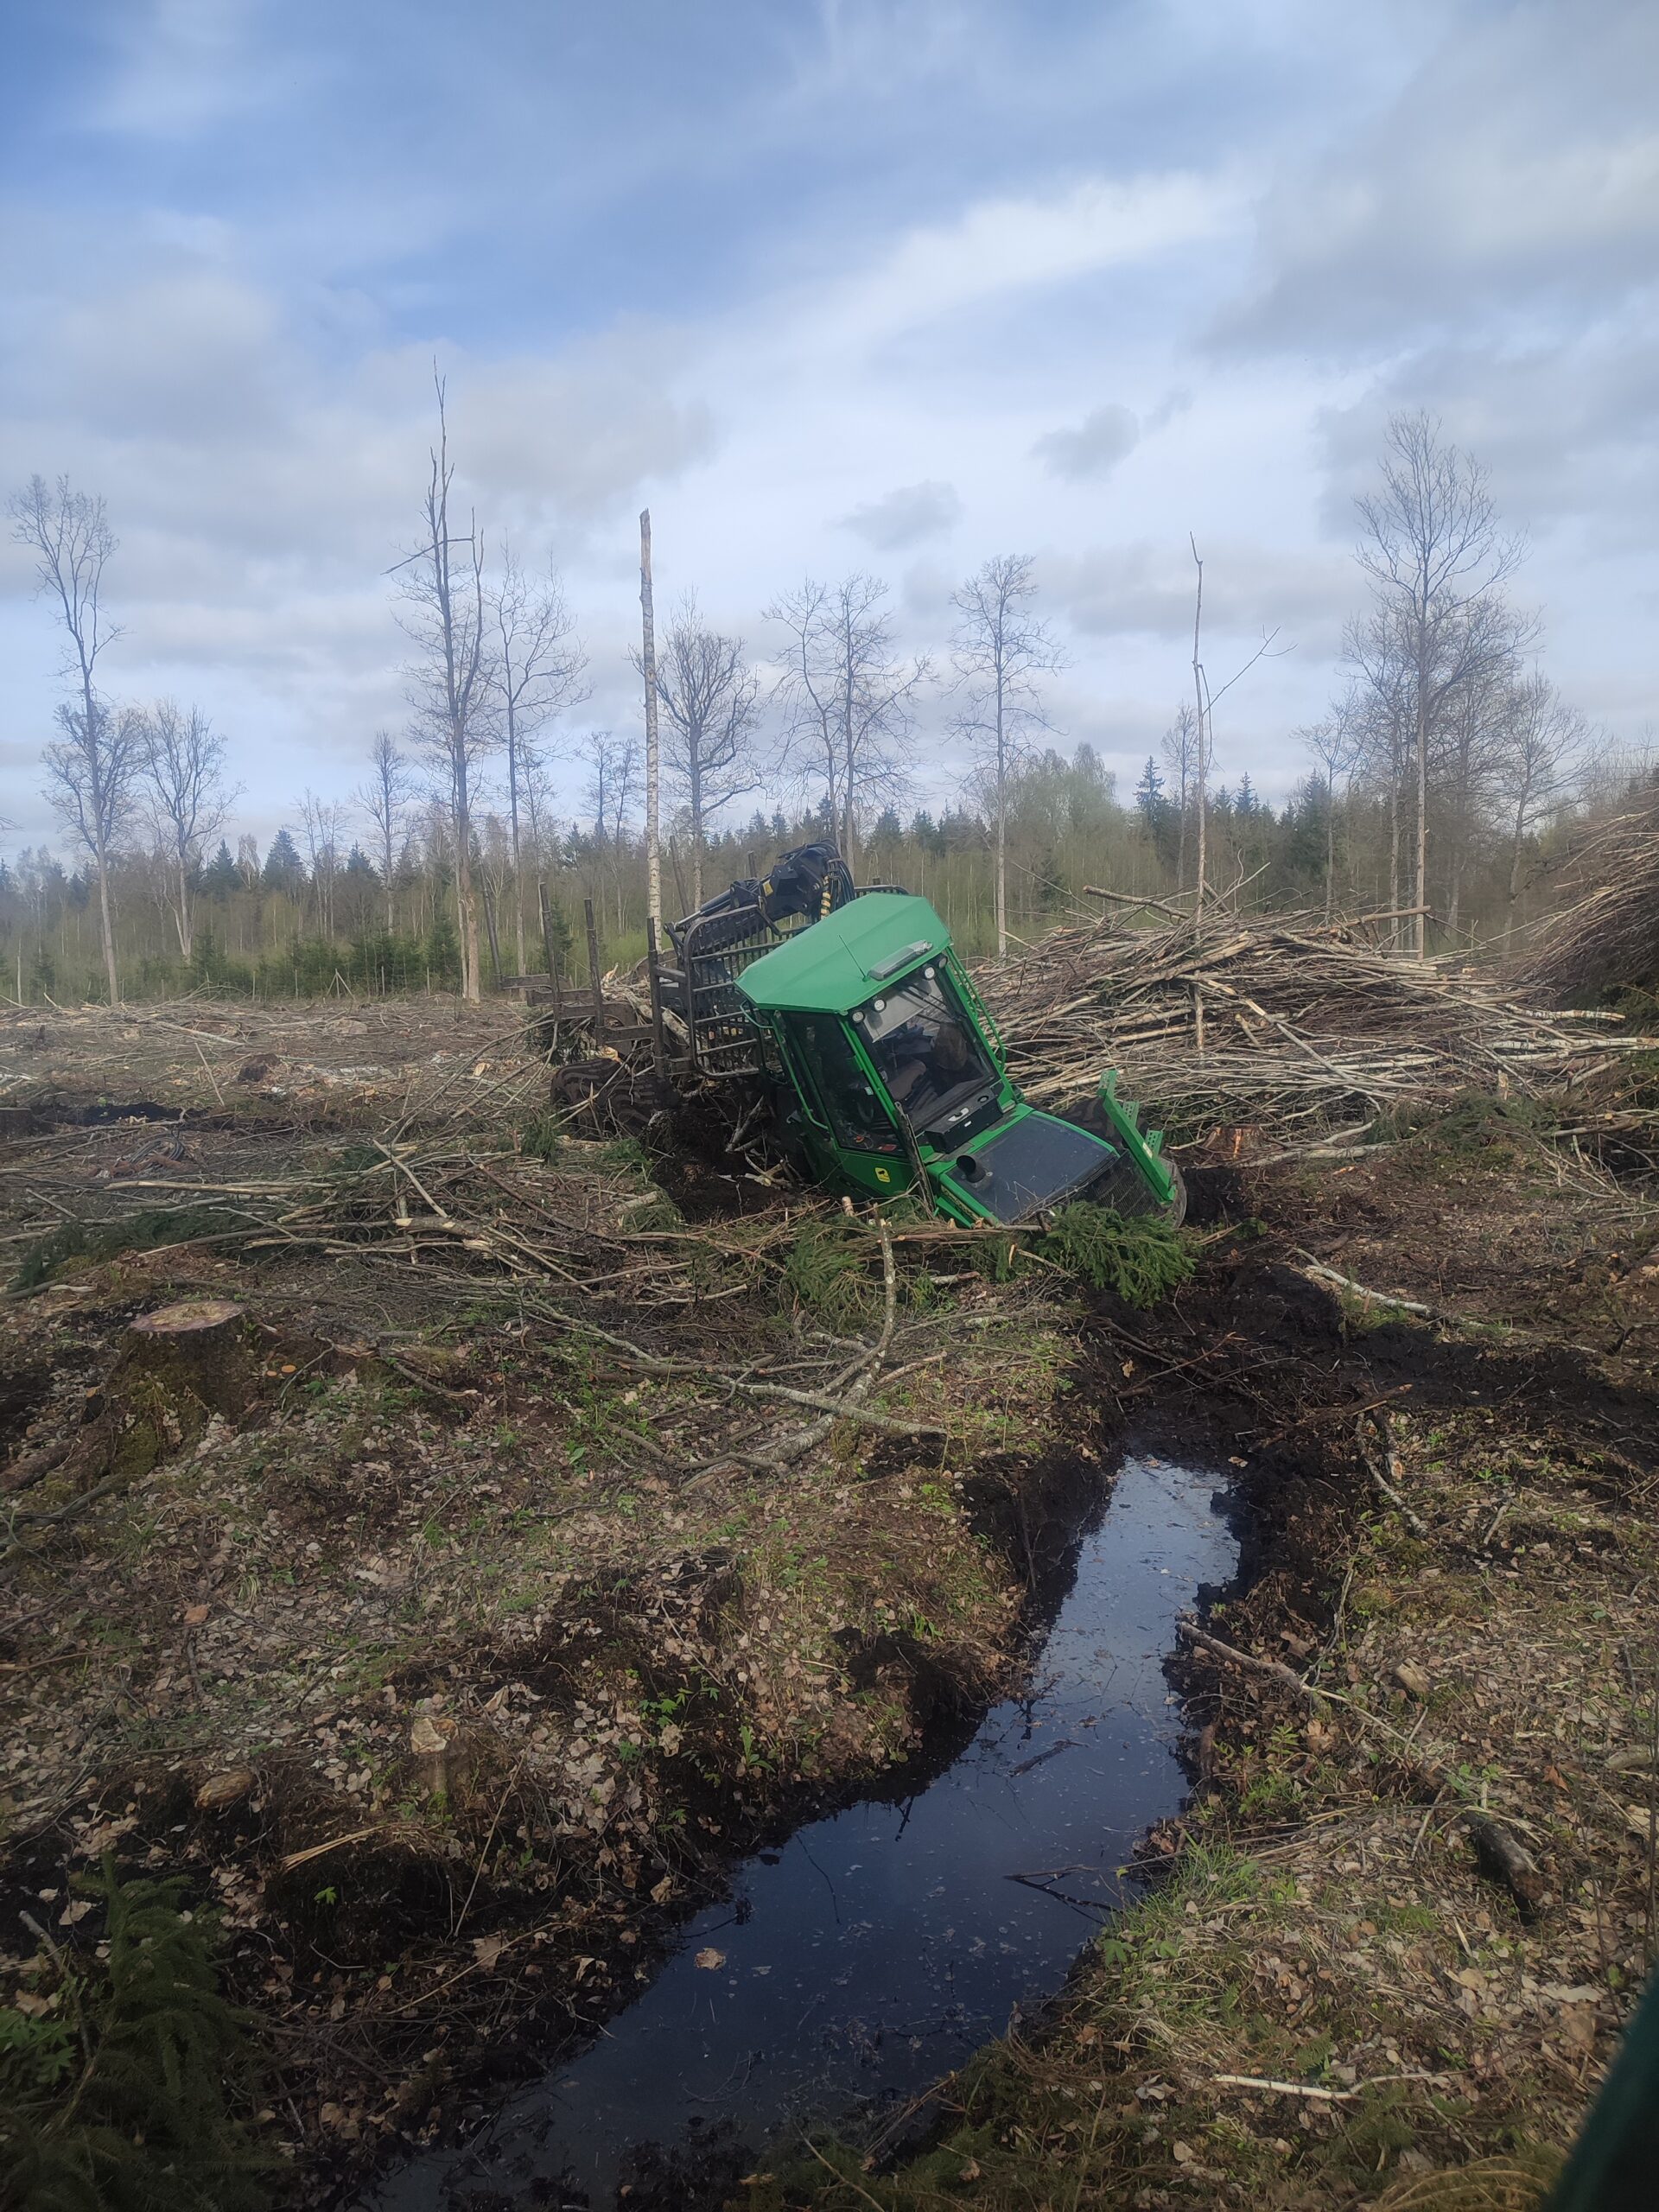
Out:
{"x": 1381, "y": 1483}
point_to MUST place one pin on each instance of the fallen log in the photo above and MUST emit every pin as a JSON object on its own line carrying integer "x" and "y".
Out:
{"x": 30, "y": 1467}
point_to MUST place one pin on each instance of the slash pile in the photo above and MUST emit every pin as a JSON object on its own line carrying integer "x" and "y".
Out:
{"x": 1609, "y": 936}
{"x": 1271, "y": 1021}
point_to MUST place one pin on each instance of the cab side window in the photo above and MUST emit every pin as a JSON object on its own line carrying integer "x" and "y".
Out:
{"x": 856, "y": 1115}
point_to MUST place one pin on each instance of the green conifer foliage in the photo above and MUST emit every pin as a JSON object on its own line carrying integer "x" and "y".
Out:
{"x": 127, "y": 2100}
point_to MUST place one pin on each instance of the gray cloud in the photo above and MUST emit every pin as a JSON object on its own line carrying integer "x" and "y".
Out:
{"x": 1093, "y": 449}
{"x": 925, "y": 589}
{"x": 1148, "y": 590}
{"x": 905, "y": 515}
{"x": 1566, "y": 429}
{"x": 1517, "y": 170}
{"x": 248, "y": 466}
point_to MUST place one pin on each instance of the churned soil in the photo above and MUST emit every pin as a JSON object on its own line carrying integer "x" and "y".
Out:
{"x": 456, "y": 1668}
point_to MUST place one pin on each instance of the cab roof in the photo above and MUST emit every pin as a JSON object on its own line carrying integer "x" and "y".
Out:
{"x": 827, "y": 968}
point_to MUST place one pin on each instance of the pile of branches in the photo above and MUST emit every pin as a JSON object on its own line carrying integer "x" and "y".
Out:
{"x": 1608, "y": 937}
{"x": 1268, "y": 1021}
{"x": 450, "y": 1211}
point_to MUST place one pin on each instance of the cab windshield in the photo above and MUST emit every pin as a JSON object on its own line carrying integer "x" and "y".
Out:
{"x": 928, "y": 1053}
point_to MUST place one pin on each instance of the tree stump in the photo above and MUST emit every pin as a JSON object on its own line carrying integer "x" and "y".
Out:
{"x": 197, "y": 1349}
{"x": 179, "y": 1367}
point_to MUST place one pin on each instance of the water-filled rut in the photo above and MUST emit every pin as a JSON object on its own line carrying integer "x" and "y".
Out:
{"x": 877, "y": 1947}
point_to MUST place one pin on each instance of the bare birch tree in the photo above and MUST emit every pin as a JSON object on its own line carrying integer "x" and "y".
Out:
{"x": 539, "y": 666}
{"x": 614, "y": 764}
{"x": 539, "y": 817}
{"x": 186, "y": 799}
{"x": 1336, "y": 744}
{"x": 998, "y": 648}
{"x": 1181, "y": 759}
{"x": 383, "y": 798}
{"x": 90, "y": 768}
{"x": 1384, "y": 708}
{"x": 1203, "y": 701}
{"x": 849, "y": 701}
{"x": 323, "y": 824}
{"x": 1201, "y": 718}
{"x": 451, "y": 677}
{"x": 1544, "y": 746}
{"x": 709, "y": 697}
{"x": 1433, "y": 552}
{"x": 1473, "y": 736}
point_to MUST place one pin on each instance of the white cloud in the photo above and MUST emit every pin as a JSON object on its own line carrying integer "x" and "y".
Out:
{"x": 224, "y": 319}
{"x": 182, "y": 65}
{"x": 1008, "y": 245}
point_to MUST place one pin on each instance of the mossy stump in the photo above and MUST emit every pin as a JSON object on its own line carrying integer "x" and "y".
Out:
{"x": 179, "y": 1366}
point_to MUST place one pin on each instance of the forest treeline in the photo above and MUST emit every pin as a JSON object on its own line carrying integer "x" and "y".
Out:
{"x": 1447, "y": 776}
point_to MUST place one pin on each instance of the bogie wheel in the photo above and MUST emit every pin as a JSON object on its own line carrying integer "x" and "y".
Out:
{"x": 1175, "y": 1211}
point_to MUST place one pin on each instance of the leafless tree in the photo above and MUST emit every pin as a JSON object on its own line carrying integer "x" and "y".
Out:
{"x": 613, "y": 786}
{"x": 1204, "y": 701}
{"x": 92, "y": 771}
{"x": 494, "y": 861}
{"x": 537, "y": 794}
{"x": 383, "y": 799}
{"x": 91, "y": 766}
{"x": 849, "y": 703}
{"x": 452, "y": 674}
{"x": 186, "y": 799}
{"x": 1181, "y": 759}
{"x": 709, "y": 697}
{"x": 539, "y": 666}
{"x": 998, "y": 649}
{"x": 1383, "y": 708}
{"x": 1433, "y": 551}
{"x": 1542, "y": 754}
{"x": 1466, "y": 762}
{"x": 323, "y": 824}
{"x": 1336, "y": 744}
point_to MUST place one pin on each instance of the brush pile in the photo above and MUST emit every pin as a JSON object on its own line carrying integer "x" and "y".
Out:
{"x": 432, "y": 1211}
{"x": 1268, "y": 1022}
{"x": 1608, "y": 937}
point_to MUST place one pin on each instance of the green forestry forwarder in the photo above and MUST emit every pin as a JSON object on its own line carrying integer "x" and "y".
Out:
{"x": 844, "y": 1020}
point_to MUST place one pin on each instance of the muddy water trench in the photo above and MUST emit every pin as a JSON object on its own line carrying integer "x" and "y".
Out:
{"x": 875, "y": 1950}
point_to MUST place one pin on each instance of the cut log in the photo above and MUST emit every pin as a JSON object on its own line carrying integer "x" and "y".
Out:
{"x": 30, "y": 1467}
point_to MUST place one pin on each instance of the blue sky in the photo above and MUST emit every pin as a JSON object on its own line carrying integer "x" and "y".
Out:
{"x": 854, "y": 284}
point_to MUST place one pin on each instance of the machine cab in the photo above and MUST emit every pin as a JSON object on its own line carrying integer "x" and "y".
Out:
{"x": 889, "y": 1077}
{"x": 879, "y": 1041}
